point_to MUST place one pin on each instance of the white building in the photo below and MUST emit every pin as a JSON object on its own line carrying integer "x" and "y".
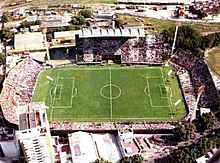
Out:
{"x": 87, "y": 147}
{"x": 34, "y": 133}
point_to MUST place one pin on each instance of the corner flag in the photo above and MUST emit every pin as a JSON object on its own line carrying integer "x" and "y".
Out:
{"x": 201, "y": 89}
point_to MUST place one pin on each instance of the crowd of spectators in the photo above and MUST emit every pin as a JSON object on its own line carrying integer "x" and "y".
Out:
{"x": 18, "y": 87}
{"x": 199, "y": 75}
{"x": 111, "y": 125}
{"x": 149, "y": 49}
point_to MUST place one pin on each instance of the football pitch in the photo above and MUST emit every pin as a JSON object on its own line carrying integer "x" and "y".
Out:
{"x": 110, "y": 94}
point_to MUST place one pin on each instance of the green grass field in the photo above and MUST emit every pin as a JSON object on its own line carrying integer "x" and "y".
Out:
{"x": 110, "y": 94}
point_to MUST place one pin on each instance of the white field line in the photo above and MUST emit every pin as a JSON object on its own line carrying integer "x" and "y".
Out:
{"x": 52, "y": 99}
{"x": 168, "y": 97}
{"x": 70, "y": 105}
{"x": 107, "y": 68}
{"x": 110, "y": 90}
{"x": 145, "y": 118}
{"x": 161, "y": 92}
{"x": 61, "y": 88}
{"x": 151, "y": 103}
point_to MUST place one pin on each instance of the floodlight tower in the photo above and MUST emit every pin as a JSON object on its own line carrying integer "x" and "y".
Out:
{"x": 200, "y": 91}
{"x": 44, "y": 32}
{"x": 175, "y": 36}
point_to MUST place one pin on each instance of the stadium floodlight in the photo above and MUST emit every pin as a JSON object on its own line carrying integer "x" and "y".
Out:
{"x": 175, "y": 36}
{"x": 49, "y": 78}
{"x": 200, "y": 91}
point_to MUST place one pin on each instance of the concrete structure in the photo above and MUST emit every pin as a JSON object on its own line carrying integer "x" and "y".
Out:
{"x": 85, "y": 33}
{"x": 34, "y": 133}
{"x": 87, "y": 147}
{"x": 29, "y": 41}
{"x": 10, "y": 150}
{"x": 206, "y": 158}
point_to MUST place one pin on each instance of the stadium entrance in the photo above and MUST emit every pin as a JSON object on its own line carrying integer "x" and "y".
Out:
{"x": 114, "y": 58}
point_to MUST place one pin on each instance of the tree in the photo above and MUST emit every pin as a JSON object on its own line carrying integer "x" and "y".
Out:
{"x": 38, "y": 22}
{"x": 86, "y": 13}
{"x": 7, "y": 34}
{"x": 215, "y": 12}
{"x": 133, "y": 159}
{"x": 185, "y": 132}
{"x": 207, "y": 121}
{"x": 5, "y": 18}
{"x": 188, "y": 39}
{"x": 101, "y": 160}
{"x": 78, "y": 20}
{"x": 25, "y": 24}
{"x": 118, "y": 23}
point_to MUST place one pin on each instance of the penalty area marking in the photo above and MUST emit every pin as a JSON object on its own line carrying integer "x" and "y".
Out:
{"x": 151, "y": 103}
{"x": 170, "y": 93}
{"x": 72, "y": 93}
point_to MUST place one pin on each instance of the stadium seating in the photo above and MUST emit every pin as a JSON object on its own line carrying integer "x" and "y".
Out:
{"x": 147, "y": 49}
{"x": 18, "y": 87}
{"x": 199, "y": 74}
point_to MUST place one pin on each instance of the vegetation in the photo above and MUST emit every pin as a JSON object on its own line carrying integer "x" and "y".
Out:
{"x": 159, "y": 25}
{"x": 27, "y": 24}
{"x": 6, "y": 33}
{"x": 187, "y": 38}
{"x": 213, "y": 60}
{"x": 78, "y": 20}
{"x": 105, "y": 103}
{"x": 185, "y": 132}
{"x": 101, "y": 160}
{"x": 215, "y": 12}
{"x": 210, "y": 40}
{"x": 190, "y": 153}
{"x": 133, "y": 159}
{"x": 207, "y": 121}
{"x": 6, "y": 17}
{"x": 85, "y": 2}
{"x": 86, "y": 13}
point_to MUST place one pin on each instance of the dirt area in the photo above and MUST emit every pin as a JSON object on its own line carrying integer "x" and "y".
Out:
{"x": 212, "y": 56}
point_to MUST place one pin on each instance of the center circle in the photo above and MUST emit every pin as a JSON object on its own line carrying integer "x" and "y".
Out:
{"x": 110, "y": 91}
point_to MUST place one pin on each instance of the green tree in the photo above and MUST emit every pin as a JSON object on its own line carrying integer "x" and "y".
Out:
{"x": 207, "y": 121}
{"x": 78, "y": 20}
{"x": 187, "y": 38}
{"x": 7, "y": 34}
{"x": 5, "y": 18}
{"x": 133, "y": 159}
{"x": 185, "y": 132}
{"x": 118, "y": 23}
{"x": 101, "y": 160}
{"x": 25, "y": 24}
{"x": 215, "y": 12}
{"x": 38, "y": 22}
{"x": 86, "y": 13}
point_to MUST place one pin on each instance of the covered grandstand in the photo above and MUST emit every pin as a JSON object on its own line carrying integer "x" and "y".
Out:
{"x": 119, "y": 45}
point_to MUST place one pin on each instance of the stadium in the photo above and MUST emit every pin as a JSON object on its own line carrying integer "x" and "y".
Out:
{"x": 116, "y": 76}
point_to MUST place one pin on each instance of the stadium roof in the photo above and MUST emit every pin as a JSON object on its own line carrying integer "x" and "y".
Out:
{"x": 28, "y": 41}
{"x": 66, "y": 34}
{"x": 111, "y": 33}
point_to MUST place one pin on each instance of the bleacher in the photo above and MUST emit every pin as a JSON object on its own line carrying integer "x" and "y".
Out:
{"x": 200, "y": 75}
